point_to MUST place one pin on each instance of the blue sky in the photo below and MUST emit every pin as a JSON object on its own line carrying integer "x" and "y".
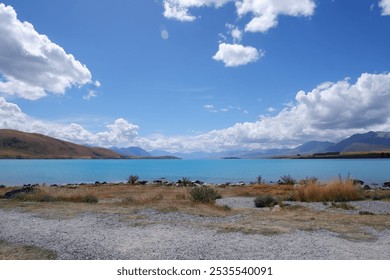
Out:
{"x": 190, "y": 75}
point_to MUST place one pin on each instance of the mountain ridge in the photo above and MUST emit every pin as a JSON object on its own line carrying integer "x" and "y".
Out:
{"x": 23, "y": 145}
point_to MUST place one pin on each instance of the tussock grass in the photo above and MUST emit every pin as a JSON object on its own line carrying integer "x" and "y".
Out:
{"x": 337, "y": 191}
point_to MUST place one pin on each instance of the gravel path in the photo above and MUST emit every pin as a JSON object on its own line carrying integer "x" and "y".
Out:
{"x": 175, "y": 236}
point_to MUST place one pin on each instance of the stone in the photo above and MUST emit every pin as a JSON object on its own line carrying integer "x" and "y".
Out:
{"x": 386, "y": 184}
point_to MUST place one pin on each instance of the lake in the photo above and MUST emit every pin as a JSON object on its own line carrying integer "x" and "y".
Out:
{"x": 19, "y": 172}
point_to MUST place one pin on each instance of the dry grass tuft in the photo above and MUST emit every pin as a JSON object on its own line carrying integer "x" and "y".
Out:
{"x": 337, "y": 191}
{"x": 23, "y": 252}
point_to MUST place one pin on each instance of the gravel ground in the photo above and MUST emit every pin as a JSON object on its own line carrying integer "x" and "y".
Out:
{"x": 175, "y": 235}
{"x": 375, "y": 207}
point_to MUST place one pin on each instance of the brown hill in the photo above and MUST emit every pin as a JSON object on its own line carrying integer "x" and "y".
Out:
{"x": 16, "y": 144}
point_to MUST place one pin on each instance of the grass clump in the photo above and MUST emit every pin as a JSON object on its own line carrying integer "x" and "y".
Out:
{"x": 204, "y": 194}
{"x": 336, "y": 191}
{"x": 287, "y": 180}
{"x": 265, "y": 201}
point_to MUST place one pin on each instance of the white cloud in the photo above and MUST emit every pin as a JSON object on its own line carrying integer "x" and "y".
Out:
{"x": 265, "y": 12}
{"x": 210, "y": 108}
{"x": 120, "y": 133}
{"x": 30, "y": 64}
{"x": 91, "y": 94}
{"x": 271, "y": 109}
{"x": 385, "y": 6}
{"x": 97, "y": 84}
{"x": 179, "y": 9}
{"x": 233, "y": 55}
{"x": 330, "y": 111}
{"x": 235, "y": 32}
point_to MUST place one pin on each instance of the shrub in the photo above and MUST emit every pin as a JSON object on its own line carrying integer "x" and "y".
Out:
{"x": 132, "y": 179}
{"x": 265, "y": 201}
{"x": 186, "y": 182}
{"x": 287, "y": 180}
{"x": 204, "y": 194}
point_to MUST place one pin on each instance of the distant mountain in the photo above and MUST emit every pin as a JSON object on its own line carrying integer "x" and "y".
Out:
{"x": 131, "y": 151}
{"x": 17, "y": 144}
{"x": 193, "y": 155}
{"x": 312, "y": 147}
{"x": 370, "y": 141}
{"x": 367, "y": 142}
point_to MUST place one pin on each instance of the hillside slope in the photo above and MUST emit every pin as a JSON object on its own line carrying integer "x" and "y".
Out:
{"x": 370, "y": 141}
{"x": 16, "y": 144}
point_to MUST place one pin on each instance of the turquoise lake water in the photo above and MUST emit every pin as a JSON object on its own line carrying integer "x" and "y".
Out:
{"x": 19, "y": 172}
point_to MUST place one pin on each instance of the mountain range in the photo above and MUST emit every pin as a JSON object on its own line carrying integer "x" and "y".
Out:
{"x": 357, "y": 143}
{"x": 17, "y": 144}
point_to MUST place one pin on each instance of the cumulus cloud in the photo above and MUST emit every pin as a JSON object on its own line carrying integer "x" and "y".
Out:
{"x": 330, "y": 111}
{"x": 233, "y": 55}
{"x": 385, "y": 6}
{"x": 235, "y": 32}
{"x": 179, "y": 9}
{"x": 30, "y": 64}
{"x": 119, "y": 133}
{"x": 265, "y": 12}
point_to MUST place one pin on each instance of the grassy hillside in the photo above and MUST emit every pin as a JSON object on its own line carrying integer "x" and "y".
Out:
{"x": 16, "y": 144}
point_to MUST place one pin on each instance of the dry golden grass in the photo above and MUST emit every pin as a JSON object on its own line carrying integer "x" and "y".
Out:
{"x": 128, "y": 200}
{"x": 21, "y": 252}
{"x": 111, "y": 199}
{"x": 338, "y": 191}
{"x": 257, "y": 190}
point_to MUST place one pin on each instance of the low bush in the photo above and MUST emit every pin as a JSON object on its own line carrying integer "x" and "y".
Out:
{"x": 287, "y": 180}
{"x": 204, "y": 194}
{"x": 132, "y": 180}
{"x": 185, "y": 182}
{"x": 265, "y": 201}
